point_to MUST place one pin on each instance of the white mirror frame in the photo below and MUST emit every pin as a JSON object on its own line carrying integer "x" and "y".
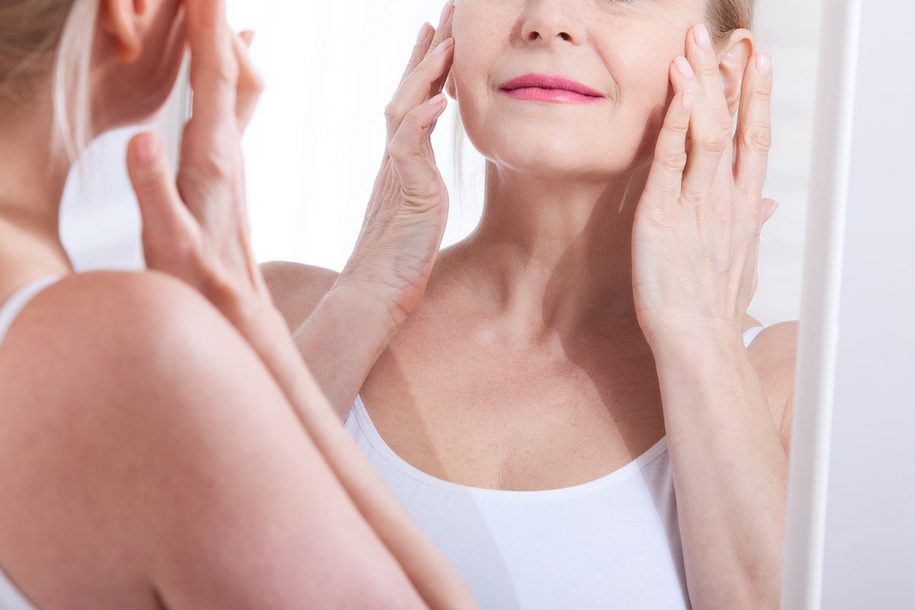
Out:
{"x": 819, "y": 328}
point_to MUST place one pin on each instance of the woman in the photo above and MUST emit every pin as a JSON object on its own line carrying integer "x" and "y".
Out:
{"x": 595, "y": 322}
{"x": 161, "y": 443}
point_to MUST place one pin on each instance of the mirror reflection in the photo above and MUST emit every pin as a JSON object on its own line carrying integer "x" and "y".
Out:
{"x": 489, "y": 307}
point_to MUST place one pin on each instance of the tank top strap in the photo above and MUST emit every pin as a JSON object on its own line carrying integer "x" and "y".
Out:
{"x": 14, "y": 305}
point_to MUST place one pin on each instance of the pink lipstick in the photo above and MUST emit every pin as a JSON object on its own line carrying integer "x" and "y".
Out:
{"x": 544, "y": 88}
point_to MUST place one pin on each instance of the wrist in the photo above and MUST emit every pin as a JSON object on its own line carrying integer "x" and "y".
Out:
{"x": 685, "y": 335}
{"x": 373, "y": 301}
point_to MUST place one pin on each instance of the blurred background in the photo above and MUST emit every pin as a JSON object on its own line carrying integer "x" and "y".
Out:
{"x": 315, "y": 144}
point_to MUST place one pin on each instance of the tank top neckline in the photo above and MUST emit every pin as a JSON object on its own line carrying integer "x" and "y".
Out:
{"x": 368, "y": 429}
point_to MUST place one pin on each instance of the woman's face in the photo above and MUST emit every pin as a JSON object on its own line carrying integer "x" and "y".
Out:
{"x": 617, "y": 49}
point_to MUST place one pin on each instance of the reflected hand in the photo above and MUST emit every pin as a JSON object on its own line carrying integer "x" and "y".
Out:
{"x": 408, "y": 210}
{"x": 195, "y": 227}
{"x": 695, "y": 246}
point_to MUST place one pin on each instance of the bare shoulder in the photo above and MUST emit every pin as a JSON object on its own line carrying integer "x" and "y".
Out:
{"x": 106, "y": 310}
{"x": 100, "y": 337}
{"x": 104, "y": 378}
{"x": 774, "y": 355}
{"x": 297, "y": 289}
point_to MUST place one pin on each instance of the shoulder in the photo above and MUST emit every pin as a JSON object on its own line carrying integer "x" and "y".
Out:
{"x": 104, "y": 306}
{"x": 774, "y": 356}
{"x": 105, "y": 378}
{"x": 297, "y": 289}
{"x": 100, "y": 331}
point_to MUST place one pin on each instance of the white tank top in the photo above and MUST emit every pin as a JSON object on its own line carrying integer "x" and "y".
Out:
{"x": 610, "y": 543}
{"x": 10, "y": 597}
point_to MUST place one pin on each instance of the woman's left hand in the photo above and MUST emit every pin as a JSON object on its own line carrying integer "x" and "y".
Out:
{"x": 697, "y": 228}
{"x": 195, "y": 224}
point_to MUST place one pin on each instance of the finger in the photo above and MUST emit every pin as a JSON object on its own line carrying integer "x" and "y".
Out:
{"x": 420, "y": 49}
{"x": 250, "y": 83}
{"x": 429, "y": 38}
{"x": 707, "y": 143}
{"x": 214, "y": 68}
{"x": 666, "y": 173}
{"x": 754, "y": 127}
{"x": 442, "y": 33}
{"x": 419, "y": 178}
{"x": 701, "y": 55}
{"x": 165, "y": 220}
{"x": 416, "y": 88}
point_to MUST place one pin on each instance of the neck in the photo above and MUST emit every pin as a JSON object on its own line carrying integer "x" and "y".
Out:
{"x": 32, "y": 182}
{"x": 559, "y": 253}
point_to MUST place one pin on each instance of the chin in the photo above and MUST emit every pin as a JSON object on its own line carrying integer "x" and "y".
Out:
{"x": 566, "y": 155}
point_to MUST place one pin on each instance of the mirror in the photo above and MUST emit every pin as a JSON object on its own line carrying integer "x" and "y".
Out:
{"x": 331, "y": 69}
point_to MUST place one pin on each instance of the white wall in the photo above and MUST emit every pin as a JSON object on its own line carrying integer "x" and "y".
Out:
{"x": 870, "y": 520}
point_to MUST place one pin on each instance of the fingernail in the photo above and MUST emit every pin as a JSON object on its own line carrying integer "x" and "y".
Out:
{"x": 437, "y": 100}
{"x": 248, "y": 37}
{"x": 687, "y": 100}
{"x": 703, "y": 39}
{"x": 444, "y": 45}
{"x": 764, "y": 63}
{"x": 684, "y": 67}
{"x": 423, "y": 32}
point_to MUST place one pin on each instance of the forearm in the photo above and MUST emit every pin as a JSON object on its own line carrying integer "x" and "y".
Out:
{"x": 341, "y": 340}
{"x": 729, "y": 468}
{"x": 434, "y": 577}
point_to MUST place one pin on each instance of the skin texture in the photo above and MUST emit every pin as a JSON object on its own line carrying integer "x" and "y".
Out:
{"x": 144, "y": 476}
{"x": 582, "y": 321}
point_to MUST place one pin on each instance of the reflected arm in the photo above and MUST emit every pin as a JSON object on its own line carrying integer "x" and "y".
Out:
{"x": 730, "y": 468}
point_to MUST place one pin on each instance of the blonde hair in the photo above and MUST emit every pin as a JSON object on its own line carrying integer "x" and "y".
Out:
{"x": 50, "y": 38}
{"x": 725, "y": 16}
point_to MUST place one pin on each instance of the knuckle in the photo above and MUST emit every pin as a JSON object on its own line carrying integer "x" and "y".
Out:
{"x": 758, "y": 138}
{"x": 709, "y": 69}
{"x": 674, "y": 161}
{"x": 677, "y": 129}
{"x": 694, "y": 196}
{"x": 213, "y": 165}
{"x": 392, "y": 112}
{"x": 413, "y": 120}
{"x": 713, "y": 143}
{"x": 763, "y": 93}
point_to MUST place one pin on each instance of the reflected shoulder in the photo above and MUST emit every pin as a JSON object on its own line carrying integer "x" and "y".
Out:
{"x": 774, "y": 355}
{"x": 297, "y": 289}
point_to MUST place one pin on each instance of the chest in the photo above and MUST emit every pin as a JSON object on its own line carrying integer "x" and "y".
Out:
{"x": 485, "y": 416}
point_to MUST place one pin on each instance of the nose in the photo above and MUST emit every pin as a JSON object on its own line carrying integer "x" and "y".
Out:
{"x": 550, "y": 21}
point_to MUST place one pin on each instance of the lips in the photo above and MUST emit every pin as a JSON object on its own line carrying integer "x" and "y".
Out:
{"x": 542, "y": 87}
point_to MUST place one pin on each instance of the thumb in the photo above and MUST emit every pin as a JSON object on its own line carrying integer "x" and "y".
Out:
{"x": 167, "y": 224}
{"x": 419, "y": 177}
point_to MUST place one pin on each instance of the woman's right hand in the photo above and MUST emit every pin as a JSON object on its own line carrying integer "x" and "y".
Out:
{"x": 406, "y": 216}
